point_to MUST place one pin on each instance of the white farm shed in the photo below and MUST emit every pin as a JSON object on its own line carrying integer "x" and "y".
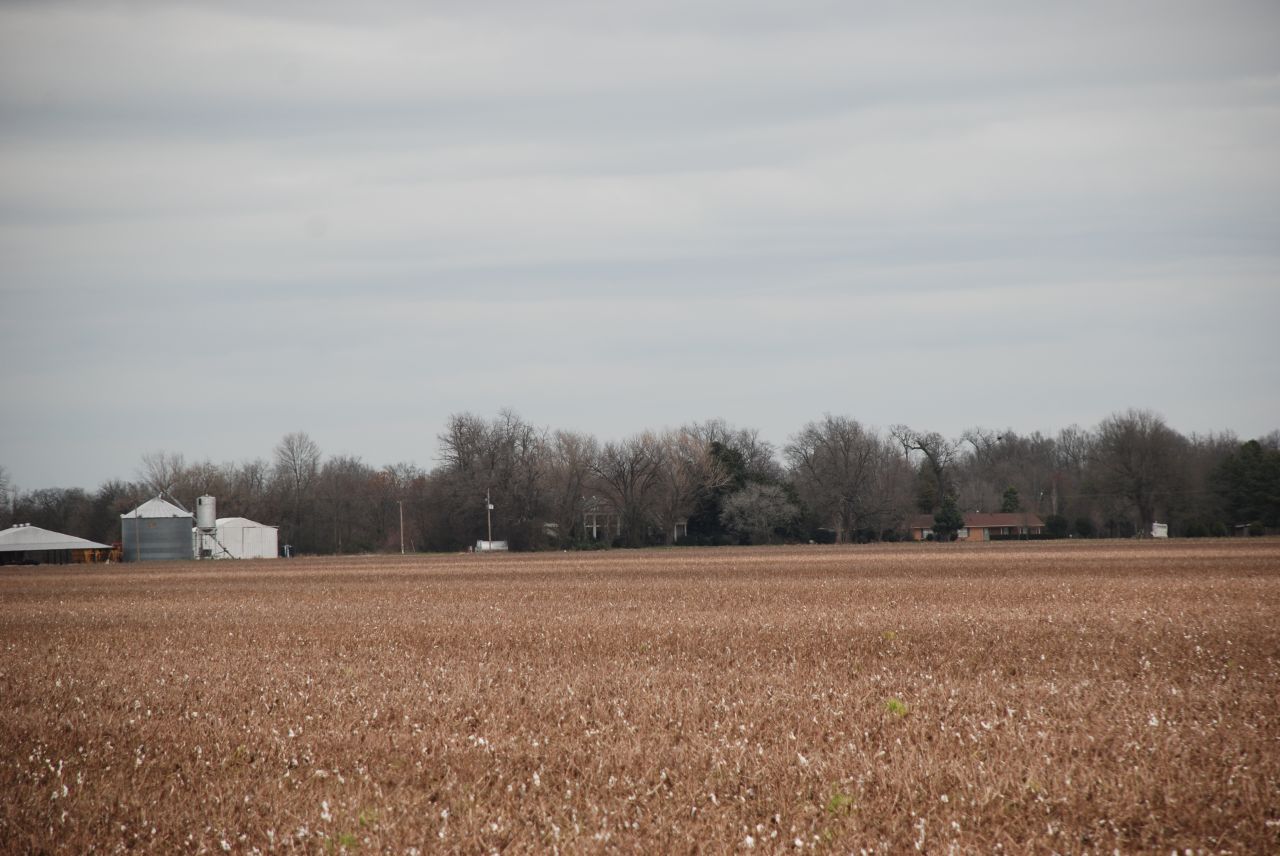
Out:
{"x": 239, "y": 538}
{"x": 29, "y": 545}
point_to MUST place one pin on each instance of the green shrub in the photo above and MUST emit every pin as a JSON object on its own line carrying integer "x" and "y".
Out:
{"x": 839, "y": 803}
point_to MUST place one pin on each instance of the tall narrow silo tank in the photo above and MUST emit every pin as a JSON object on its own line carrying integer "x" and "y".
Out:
{"x": 206, "y": 513}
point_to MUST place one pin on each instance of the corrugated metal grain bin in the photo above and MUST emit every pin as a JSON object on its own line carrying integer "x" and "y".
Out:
{"x": 156, "y": 531}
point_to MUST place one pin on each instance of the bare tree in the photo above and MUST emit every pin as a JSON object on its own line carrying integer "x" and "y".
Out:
{"x": 297, "y": 464}
{"x": 848, "y": 475}
{"x": 758, "y": 456}
{"x": 248, "y": 490}
{"x": 757, "y": 511}
{"x": 1071, "y": 449}
{"x": 206, "y": 477}
{"x": 1136, "y": 458}
{"x": 458, "y": 486}
{"x": 523, "y": 457}
{"x": 1199, "y": 509}
{"x": 685, "y": 470}
{"x": 568, "y": 470}
{"x": 162, "y": 471}
{"x": 505, "y": 459}
{"x": 401, "y": 492}
{"x": 298, "y": 460}
{"x": 402, "y": 475}
{"x": 350, "y": 513}
{"x": 7, "y": 496}
{"x": 464, "y": 443}
{"x": 983, "y": 473}
{"x": 627, "y": 473}
{"x": 1000, "y": 461}
{"x": 938, "y": 452}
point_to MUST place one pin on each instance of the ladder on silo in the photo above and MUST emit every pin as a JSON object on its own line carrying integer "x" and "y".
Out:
{"x": 213, "y": 535}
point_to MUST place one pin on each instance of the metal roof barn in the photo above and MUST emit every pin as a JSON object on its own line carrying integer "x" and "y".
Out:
{"x": 31, "y": 544}
{"x": 239, "y": 538}
{"x": 157, "y": 531}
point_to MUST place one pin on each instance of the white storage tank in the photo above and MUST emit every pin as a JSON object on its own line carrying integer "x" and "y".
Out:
{"x": 206, "y": 513}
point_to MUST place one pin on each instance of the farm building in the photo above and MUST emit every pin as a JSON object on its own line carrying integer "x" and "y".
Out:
{"x": 157, "y": 531}
{"x": 980, "y": 526}
{"x": 238, "y": 538}
{"x": 601, "y": 520}
{"x": 25, "y": 544}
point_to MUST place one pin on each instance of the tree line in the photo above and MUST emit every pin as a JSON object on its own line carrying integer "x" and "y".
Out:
{"x": 707, "y": 483}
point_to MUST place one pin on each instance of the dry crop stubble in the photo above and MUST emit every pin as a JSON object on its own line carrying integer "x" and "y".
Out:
{"x": 1072, "y": 697}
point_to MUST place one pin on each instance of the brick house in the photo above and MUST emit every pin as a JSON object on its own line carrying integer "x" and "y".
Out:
{"x": 980, "y": 526}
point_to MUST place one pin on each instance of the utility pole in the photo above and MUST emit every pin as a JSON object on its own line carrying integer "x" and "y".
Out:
{"x": 488, "y": 514}
{"x": 400, "y": 502}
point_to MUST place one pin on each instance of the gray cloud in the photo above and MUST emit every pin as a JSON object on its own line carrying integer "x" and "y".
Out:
{"x": 222, "y": 222}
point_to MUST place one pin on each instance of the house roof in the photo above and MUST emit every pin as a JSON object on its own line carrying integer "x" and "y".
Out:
{"x": 28, "y": 538}
{"x": 1014, "y": 518}
{"x": 984, "y": 519}
{"x": 157, "y": 508}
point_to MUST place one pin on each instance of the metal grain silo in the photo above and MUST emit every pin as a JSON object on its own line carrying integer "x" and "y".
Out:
{"x": 156, "y": 531}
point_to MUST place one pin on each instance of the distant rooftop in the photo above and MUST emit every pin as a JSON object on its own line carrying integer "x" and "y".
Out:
{"x": 156, "y": 508}
{"x": 27, "y": 538}
{"x": 243, "y": 522}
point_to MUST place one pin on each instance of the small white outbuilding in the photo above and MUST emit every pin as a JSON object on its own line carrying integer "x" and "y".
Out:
{"x": 239, "y": 538}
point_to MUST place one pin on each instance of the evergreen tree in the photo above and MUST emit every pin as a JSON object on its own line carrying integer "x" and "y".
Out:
{"x": 1009, "y": 502}
{"x": 948, "y": 521}
{"x": 1249, "y": 484}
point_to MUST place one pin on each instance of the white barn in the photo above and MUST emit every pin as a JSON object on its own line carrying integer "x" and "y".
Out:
{"x": 25, "y": 544}
{"x": 239, "y": 538}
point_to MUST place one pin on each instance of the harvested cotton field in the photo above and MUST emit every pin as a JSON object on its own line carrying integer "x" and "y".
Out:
{"x": 1069, "y": 696}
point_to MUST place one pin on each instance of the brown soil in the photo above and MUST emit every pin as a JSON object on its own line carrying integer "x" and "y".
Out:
{"x": 1018, "y": 697}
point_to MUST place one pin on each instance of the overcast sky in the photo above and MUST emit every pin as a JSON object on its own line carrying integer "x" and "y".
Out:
{"x": 222, "y": 222}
